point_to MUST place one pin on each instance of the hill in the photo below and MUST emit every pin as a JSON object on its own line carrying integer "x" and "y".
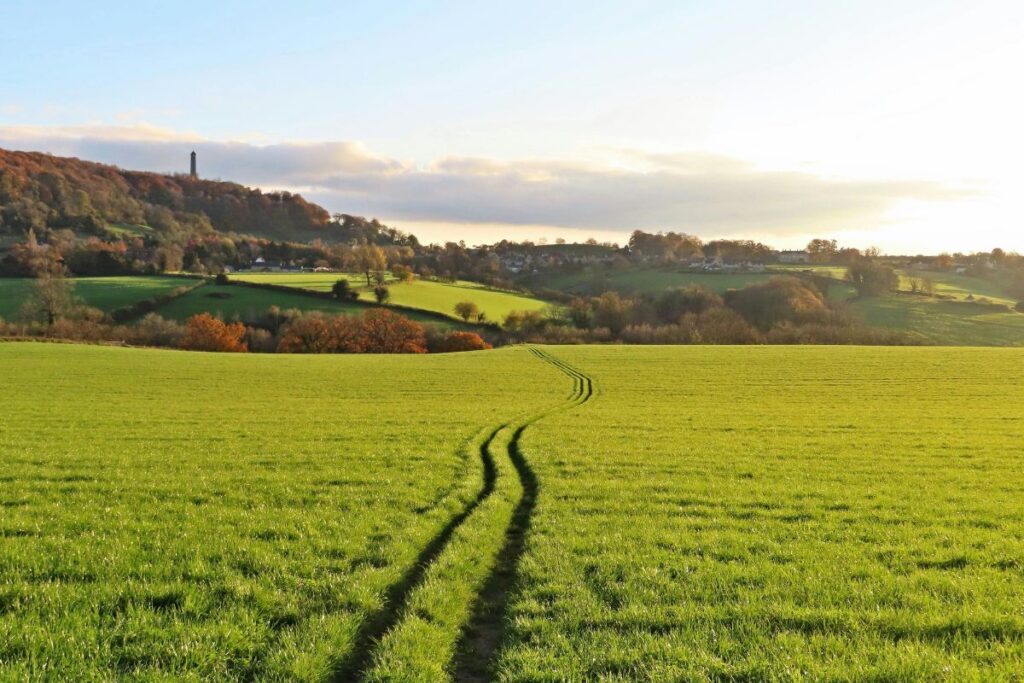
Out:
{"x": 41, "y": 191}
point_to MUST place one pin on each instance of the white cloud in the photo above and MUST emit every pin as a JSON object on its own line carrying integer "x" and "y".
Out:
{"x": 707, "y": 194}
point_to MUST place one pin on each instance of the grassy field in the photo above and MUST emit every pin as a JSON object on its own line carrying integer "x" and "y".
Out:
{"x": 244, "y": 302}
{"x": 186, "y": 516}
{"x": 564, "y": 513}
{"x": 439, "y": 297}
{"x": 945, "y": 322}
{"x": 777, "y": 514}
{"x": 105, "y": 293}
{"x": 646, "y": 280}
{"x": 959, "y": 286}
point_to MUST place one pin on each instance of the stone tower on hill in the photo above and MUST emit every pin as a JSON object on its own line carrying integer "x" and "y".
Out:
{"x": 192, "y": 172}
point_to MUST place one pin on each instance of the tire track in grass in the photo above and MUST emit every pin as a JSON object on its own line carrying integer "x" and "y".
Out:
{"x": 373, "y": 629}
{"x": 482, "y": 637}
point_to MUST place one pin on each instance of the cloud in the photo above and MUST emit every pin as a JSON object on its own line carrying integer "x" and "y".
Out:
{"x": 697, "y": 192}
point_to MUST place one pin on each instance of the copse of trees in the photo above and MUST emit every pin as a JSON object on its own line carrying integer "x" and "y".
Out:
{"x": 779, "y": 311}
{"x": 467, "y": 310}
{"x": 871, "y": 278}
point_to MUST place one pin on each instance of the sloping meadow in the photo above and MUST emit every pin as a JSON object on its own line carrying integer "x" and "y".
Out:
{"x": 777, "y": 514}
{"x": 208, "y": 516}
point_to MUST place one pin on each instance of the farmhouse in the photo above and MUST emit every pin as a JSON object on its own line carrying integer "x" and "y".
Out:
{"x": 799, "y": 256}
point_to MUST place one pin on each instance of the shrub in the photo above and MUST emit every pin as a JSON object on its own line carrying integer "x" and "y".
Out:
{"x": 466, "y": 310}
{"x": 204, "y": 332}
{"x": 381, "y": 293}
{"x": 463, "y": 341}
{"x": 342, "y": 290}
{"x": 154, "y": 330}
{"x": 719, "y": 326}
{"x": 222, "y": 279}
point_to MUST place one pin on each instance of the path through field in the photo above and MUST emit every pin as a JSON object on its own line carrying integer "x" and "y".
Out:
{"x": 473, "y": 562}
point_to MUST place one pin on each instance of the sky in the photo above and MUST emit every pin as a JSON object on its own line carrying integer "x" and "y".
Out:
{"x": 895, "y": 124}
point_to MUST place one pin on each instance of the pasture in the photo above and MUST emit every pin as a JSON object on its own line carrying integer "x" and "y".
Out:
{"x": 428, "y": 295}
{"x": 944, "y": 322}
{"x": 775, "y": 514}
{"x": 188, "y": 516}
{"x": 104, "y": 293}
{"x": 647, "y": 280}
{"x": 563, "y": 513}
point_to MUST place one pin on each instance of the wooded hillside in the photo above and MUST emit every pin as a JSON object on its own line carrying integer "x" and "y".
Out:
{"x": 42, "y": 191}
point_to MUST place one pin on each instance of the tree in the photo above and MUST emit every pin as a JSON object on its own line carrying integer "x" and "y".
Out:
{"x": 403, "y": 273}
{"x": 677, "y": 302}
{"x": 370, "y": 258}
{"x": 463, "y": 341}
{"x": 612, "y": 311}
{"x": 779, "y": 300}
{"x": 382, "y": 331}
{"x": 822, "y": 251}
{"x": 466, "y": 310}
{"x": 342, "y": 291}
{"x": 204, "y": 332}
{"x": 50, "y": 298}
{"x": 381, "y": 293}
{"x": 872, "y": 279}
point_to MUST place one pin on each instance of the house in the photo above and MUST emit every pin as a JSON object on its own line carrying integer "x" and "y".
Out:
{"x": 800, "y": 256}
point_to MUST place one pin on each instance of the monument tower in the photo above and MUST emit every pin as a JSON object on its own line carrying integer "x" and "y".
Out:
{"x": 192, "y": 171}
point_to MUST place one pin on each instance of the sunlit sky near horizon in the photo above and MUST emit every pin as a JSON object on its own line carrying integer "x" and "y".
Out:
{"x": 896, "y": 124}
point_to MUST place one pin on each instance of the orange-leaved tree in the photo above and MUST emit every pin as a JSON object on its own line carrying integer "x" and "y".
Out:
{"x": 463, "y": 341}
{"x": 382, "y": 331}
{"x": 204, "y": 332}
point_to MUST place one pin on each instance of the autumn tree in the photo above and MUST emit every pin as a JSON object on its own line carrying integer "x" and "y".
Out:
{"x": 403, "y": 273}
{"x": 463, "y": 341}
{"x": 50, "y": 298}
{"x": 204, "y": 332}
{"x": 370, "y": 258}
{"x": 822, "y": 251}
{"x": 383, "y": 331}
{"x": 872, "y": 279}
{"x": 381, "y": 293}
{"x": 466, "y": 310}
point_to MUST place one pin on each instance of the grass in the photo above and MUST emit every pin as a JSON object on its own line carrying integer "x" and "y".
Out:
{"x": 777, "y": 514}
{"x": 105, "y": 293}
{"x": 429, "y": 295}
{"x": 607, "y": 513}
{"x": 959, "y": 286}
{"x": 247, "y": 303}
{"x": 944, "y": 322}
{"x": 647, "y": 280}
{"x": 172, "y": 515}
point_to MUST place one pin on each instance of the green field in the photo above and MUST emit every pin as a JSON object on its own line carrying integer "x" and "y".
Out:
{"x": 777, "y": 514}
{"x": 568, "y": 513}
{"x": 938, "y": 321}
{"x": 196, "y": 516}
{"x": 429, "y": 295}
{"x": 104, "y": 293}
{"x": 647, "y": 280}
{"x": 959, "y": 286}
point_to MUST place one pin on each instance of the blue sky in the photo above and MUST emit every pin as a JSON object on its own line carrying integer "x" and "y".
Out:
{"x": 888, "y": 123}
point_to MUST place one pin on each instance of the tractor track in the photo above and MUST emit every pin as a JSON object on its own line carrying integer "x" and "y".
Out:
{"x": 356, "y": 665}
{"x": 484, "y": 633}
